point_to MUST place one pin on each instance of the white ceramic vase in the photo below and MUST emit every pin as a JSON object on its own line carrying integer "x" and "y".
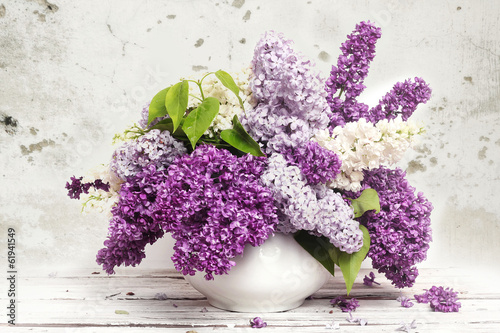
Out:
{"x": 276, "y": 276}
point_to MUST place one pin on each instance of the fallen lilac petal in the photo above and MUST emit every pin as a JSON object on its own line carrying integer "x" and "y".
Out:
{"x": 161, "y": 296}
{"x": 257, "y": 322}
{"x": 407, "y": 327}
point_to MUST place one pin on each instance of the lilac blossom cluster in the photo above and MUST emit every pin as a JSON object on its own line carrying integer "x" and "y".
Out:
{"x": 153, "y": 148}
{"x": 400, "y": 233}
{"x": 258, "y": 322}
{"x": 77, "y": 187}
{"x": 213, "y": 204}
{"x": 348, "y": 76}
{"x": 317, "y": 164}
{"x": 132, "y": 227}
{"x": 291, "y": 101}
{"x": 345, "y": 305}
{"x": 402, "y": 100}
{"x": 316, "y": 209}
{"x": 440, "y": 299}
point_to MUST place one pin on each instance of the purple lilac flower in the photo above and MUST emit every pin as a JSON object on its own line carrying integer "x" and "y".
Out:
{"x": 317, "y": 164}
{"x": 213, "y": 204}
{"x": 402, "y": 99}
{"x": 258, "y": 322}
{"x": 132, "y": 227}
{"x": 316, "y": 209}
{"x": 291, "y": 104}
{"x": 405, "y": 301}
{"x": 155, "y": 147}
{"x": 370, "y": 280}
{"x": 348, "y": 76}
{"x": 400, "y": 233}
{"x": 345, "y": 305}
{"x": 76, "y": 188}
{"x": 440, "y": 299}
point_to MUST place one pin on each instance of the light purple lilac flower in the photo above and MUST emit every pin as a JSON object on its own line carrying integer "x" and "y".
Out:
{"x": 360, "y": 321}
{"x": 258, "y": 322}
{"x": 400, "y": 233}
{"x": 213, "y": 204}
{"x": 370, "y": 280}
{"x": 345, "y": 305}
{"x": 131, "y": 228}
{"x": 155, "y": 147}
{"x": 405, "y": 301}
{"x": 440, "y": 299}
{"x": 318, "y": 165}
{"x": 76, "y": 188}
{"x": 316, "y": 209}
{"x": 407, "y": 327}
{"x": 291, "y": 104}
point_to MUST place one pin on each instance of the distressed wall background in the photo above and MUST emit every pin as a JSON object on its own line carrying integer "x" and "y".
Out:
{"x": 74, "y": 73}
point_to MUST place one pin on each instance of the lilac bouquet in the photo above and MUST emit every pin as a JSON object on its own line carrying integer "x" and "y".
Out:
{"x": 222, "y": 161}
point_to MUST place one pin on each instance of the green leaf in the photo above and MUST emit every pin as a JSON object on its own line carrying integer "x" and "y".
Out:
{"x": 240, "y": 139}
{"x": 199, "y": 120}
{"x": 229, "y": 83}
{"x": 351, "y": 263}
{"x": 167, "y": 125}
{"x": 176, "y": 101}
{"x": 368, "y": 200}
{"x": 157, "y": 106}
{"x": 318, "y": 247}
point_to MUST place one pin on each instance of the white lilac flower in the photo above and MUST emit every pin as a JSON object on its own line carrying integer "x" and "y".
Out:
{"x": 316, "y": 209}
{"x": 363, "y": 145}
{"x": 96, "y": 198}
{"x": 229, "y": 103}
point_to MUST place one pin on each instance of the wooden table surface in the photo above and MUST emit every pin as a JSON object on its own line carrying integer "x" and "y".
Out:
{"x": 83, "y": 301}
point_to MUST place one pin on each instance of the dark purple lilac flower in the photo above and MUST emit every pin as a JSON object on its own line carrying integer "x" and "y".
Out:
{"x": 318, "y": 165}
{"x": 345, "y": 305}
{"x": 213, "y": 204}
{"x": 400, "y": 233}
{"x": 370, "y": 280}
{"x": 258, "y": 322}
{"x": 405, "y": 301}
{"x": 76, "y": 188}
{"x": 440, "y": 299}
{"x": 348, "y": 76}
{"x": 402, "y": 99}
{"x": 347, "y": 79}
{"x": 131, "y": 228}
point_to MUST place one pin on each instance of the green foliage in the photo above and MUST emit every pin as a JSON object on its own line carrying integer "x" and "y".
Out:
{"x": 176, "y": 101}
{"x": 157, "y": 106}
{"x": 351, "y": 263}
{"x": 240, "y": 139}
{"x": 368, "y": 200}
{"x": 329, "y": 256}
{"x": 229, "y": 83}
{"x": 191, "y": 126}
{"x": 318, "y": 247}
{"x": 199, "y": 120}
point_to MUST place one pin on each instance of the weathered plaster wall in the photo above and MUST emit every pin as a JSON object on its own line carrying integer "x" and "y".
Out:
{"x": 73, "y": 73}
